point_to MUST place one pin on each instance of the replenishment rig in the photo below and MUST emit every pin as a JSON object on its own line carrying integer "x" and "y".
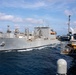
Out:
{"x": 68, "y": 42}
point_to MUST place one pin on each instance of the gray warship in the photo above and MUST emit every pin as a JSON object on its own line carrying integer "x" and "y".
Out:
{"x": 16, "y": 40}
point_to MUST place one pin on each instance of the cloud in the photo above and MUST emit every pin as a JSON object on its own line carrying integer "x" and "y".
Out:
{"x": 35, "y": 5}
{"x": 12, "y": 18}
{"x": 68, "y": 12}
{"x": 22, "y": 4}
{"x": 74, "y": 23}
{"x": 34, "y": 21}
{"x": 57, "y": 5}
{"x": 17, "y": 19}
{"x": 32, "y": 4}
{"x": 60, "y": 5}
{"x": 5, "y": 17}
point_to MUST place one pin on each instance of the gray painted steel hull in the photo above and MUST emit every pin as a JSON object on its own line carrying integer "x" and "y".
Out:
{"x": 22, "y": 43}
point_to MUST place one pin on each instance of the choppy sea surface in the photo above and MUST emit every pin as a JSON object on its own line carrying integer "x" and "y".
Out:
{"x": 40, "y": 61}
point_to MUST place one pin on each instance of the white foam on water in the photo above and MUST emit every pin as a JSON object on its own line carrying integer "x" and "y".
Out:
{"x": 53, "y": 45}
{"x": 25, "y": 50}
{"x": 40, "y": 48}
{"x": 8, "y": 51}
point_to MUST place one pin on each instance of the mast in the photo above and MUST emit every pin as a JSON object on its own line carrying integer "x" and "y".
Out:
{"x": 69, "y": 23}
{"x": 8, "y": 29}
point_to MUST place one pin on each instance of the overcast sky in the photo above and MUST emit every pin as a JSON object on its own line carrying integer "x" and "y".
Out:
{"x": 32, "y": 13}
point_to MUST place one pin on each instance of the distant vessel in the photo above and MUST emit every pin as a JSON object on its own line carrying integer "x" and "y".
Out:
{"x": 41, "y": 36}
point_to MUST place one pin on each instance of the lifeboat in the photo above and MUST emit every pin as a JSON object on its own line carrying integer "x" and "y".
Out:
{"x": 52, "y": 33}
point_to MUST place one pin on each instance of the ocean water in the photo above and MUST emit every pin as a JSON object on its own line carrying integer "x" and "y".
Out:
{"x": 41, "y": 61}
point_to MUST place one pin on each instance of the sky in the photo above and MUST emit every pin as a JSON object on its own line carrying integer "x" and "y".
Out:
{"x": 31, "y": 13}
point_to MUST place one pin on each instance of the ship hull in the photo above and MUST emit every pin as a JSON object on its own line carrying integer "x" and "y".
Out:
{"x": 22, "y": 43}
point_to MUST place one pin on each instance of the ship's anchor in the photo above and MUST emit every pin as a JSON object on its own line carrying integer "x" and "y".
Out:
{"x": 2, "y": 44}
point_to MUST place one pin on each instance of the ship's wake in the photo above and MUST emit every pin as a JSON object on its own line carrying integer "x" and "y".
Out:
{"x": 30, "y": 49}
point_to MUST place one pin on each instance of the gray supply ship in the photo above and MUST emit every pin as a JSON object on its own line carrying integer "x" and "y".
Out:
{"x": 15, "y": 40}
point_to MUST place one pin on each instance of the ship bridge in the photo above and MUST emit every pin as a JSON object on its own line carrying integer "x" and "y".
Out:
{"x": 41, "y": 32}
